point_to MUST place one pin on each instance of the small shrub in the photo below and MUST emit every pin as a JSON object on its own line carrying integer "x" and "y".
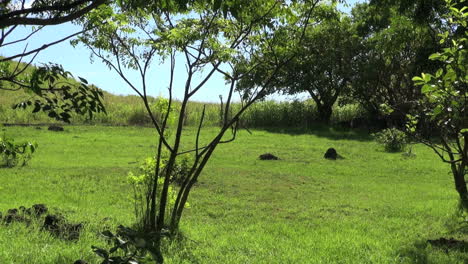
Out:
{"x": 139, "y": 117}
{"x": 13, "y": 154}
{"x": 181, "y": 168}
{"x": 145, "y": 176}
{"x": 392, "y": 139}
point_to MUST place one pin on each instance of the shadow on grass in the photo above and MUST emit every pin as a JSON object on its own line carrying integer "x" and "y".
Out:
{"x": 425, "y": 251}
{"x": 324, "y": 131}
{"x": 181, "y": 249}
{"x": 416, "y": 253}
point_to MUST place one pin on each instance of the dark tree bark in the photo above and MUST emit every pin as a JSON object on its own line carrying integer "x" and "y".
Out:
{"x": 325, "y": 112}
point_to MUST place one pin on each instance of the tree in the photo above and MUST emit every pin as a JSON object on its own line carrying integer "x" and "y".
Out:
{"x": 445, "y": 97}
{"x": 322, "y": 67}
{"x": 393, "y": 49}
{"x": 219, "y": 37}
{"x": 54, "y": 91}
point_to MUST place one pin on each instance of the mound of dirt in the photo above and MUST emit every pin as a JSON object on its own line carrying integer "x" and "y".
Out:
{"x": 55, "y": 224}
{"x": 59, "y": 226}
{"x": 331, "y": 154}
{"x": 55, "y": 128}
{"x": 268, "y": 156}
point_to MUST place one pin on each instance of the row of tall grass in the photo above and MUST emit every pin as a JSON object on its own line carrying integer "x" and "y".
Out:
{"x": 129, "y": 110}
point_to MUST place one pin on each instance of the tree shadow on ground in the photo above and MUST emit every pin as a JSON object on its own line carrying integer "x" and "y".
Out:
{"x": 425, "y": 251}
{"x": 324, "y": 131}
{"x": 181, "y": 248}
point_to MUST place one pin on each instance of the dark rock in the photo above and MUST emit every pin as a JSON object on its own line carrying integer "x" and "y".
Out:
{"x": 55, "y": 128}
{"x": 268, "y": 156}
{"x": 80, "y": 261}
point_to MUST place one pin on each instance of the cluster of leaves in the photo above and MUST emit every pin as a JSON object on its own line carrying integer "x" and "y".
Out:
{"x": 323, "y": 69}
{"x": 445, "y": 97}
{"x": 143, "y": 180}
{"x": 58, "y": 94}
{"x": 446, "y": 91}
{"x": 146, "y": 169}
{"x": 392, "y": 139}
{"x": 128, "y": 247}
{"x": 15, "y": 154}
{"x": 393, "y": 48}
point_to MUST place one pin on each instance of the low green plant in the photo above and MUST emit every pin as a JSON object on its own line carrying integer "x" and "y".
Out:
{"x": 134, "y": 244}
{"x": 392, "y": 139}
{"x": 142, "y": 180}
{"x": 128, "y": 247}
{"x": 15, "y": 154}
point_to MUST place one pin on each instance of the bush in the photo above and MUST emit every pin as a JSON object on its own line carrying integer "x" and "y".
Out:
{"x": 394, "y": 140}
{"x": 139, "y": 117}
{"x": 141, "y": 181}
{"x": 13, "y": 154}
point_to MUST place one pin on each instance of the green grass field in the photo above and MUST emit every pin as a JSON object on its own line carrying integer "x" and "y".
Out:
{"x": 371, "y": 207}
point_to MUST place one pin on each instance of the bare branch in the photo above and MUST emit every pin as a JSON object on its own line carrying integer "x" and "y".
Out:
{"x": 41, "y": 48}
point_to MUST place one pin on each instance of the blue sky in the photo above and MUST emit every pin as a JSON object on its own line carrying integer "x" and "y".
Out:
{"x": 77, "y": 61}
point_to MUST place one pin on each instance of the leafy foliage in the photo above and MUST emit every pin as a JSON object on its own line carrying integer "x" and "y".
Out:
{"x": 392, "y": 139}
{"x": 445, "y": 99}
{"x": 145, "y": 177}
{"x": 15, "y": 154}
{"x": 320, "y": 65}
{"x": 128, "y": 247}
{"x": 55, "y": 92}
{"x": 392, "y": 50}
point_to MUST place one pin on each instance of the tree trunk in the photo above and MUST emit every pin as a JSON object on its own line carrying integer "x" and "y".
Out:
{"x": 325, "y": 112}
{"x": 460, "y": 184}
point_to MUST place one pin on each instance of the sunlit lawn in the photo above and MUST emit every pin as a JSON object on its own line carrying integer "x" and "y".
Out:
{"x": 371, "y": 207}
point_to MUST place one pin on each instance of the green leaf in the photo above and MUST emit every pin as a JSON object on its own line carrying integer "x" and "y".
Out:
{"x": 437, "y": 110}
{"x": 435, "y": 56}
{"x": 83, "y": 80}
{"x": 37, "y": 107}
{"x": 426, "y": 77}
{"x": 427, "y": 88}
